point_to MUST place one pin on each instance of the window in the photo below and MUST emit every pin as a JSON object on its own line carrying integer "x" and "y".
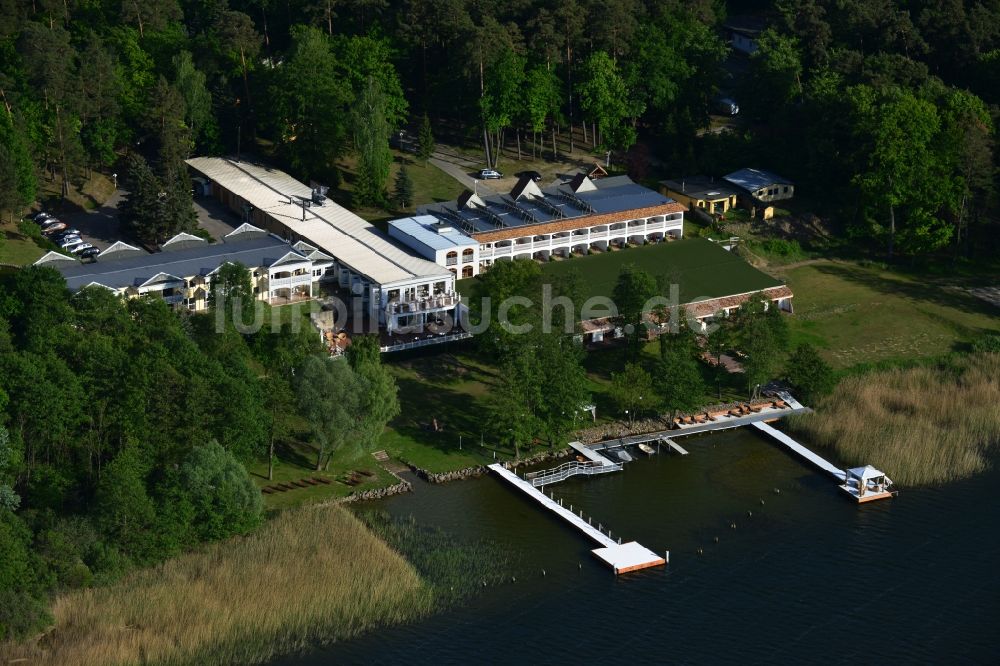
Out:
{"x": 451, "y": 258}
{"x": 467, "y": 271}
{"x": 467, "y": 254}
{"x": 785, "y": 190}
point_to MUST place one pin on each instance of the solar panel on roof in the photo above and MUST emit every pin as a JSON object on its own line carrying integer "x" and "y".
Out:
{"x": 455, "y": 218}
{"x": 520, "y": 212}
{"x": 575, "y": 201}
{"x": 492, "y": 217}
{"x": 541, "y": 202}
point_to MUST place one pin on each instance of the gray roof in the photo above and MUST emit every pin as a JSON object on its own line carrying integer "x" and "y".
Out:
{"x": 332, "y": 228}
{"x": 501, "y": 211}
{"x": 701, "y": 187}
{"x": 752, "y": 180}
{"x": 202, "y": 260}
{"x": 432, "y": 232}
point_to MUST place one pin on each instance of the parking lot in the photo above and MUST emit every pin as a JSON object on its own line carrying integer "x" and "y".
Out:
{"x": 101, "y": 229}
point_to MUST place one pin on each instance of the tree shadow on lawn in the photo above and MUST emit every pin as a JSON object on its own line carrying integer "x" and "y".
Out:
{"x": 458, "y": 415}
{"x": 294, "y": 453}
{"x": 449, "y": 369}
{"x": 949, "y": 298}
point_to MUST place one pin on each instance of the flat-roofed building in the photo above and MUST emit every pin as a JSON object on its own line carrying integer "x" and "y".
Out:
{"x": 714, "y": 196}
{"x": 573, "y": 217}
{"x": 397, "y": 287}
{"x": 440, "y": 242}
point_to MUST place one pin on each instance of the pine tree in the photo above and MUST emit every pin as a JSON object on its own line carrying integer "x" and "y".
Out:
{"x": 403, "y": 193}
{"x": 371, "y": 140}
{"x": 139, "y": 209}
{"x": 425, "y": 140}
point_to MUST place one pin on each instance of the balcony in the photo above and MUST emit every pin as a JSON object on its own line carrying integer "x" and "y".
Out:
{"x": 423, "y": 304}
{"x": 303, "y": 279}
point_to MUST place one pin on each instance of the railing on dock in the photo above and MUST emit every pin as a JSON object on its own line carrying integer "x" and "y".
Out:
{"x": 566, "y": 470}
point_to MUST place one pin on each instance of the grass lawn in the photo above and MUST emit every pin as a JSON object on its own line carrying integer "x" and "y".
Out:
{"x": 296, "y": 460}
{"x": 449, "y": 387}
{"x": 856, "y": 314}
{"x": 702, "y": 269}
{"x": 15, "y": 247}
{"x": 430, "y": 185}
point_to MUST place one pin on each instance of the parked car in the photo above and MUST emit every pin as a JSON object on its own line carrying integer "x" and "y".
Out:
{"x": 533, "y": 175}
{"x": 726, "y": 106}
{"x": 70, "y": 243}
{"x": 52, "y": 227}
{"x": 42, "y": 217}
{"x": 68, "y": 239}
{"x": 90, "y": 252}
{"x": 489, "y": 174}
{"x": 59, "y": 235}
{"x": 77, "y": 249}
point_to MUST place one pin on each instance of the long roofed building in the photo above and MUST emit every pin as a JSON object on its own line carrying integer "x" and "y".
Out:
{"x": 577, "y": 216}
{"x": 397, "y": 287}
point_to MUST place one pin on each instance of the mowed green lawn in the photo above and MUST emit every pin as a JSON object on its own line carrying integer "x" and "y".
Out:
{"x": 700, "y": 267}
{"x": 856, "y": 314}
{"x": 15, "y": 247}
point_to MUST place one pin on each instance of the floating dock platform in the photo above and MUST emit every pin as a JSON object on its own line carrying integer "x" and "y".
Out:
{"x": 621, "y": 557}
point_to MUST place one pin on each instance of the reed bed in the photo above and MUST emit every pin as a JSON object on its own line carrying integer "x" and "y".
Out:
{"x": 923, "y": 425}
{"x": 311, "y": 575}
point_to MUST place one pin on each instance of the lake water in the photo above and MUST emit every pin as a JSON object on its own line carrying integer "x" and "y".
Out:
{"x": 810, "y": 577}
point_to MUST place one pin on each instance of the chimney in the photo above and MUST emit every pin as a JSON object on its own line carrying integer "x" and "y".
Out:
{"x": 683, "y": 186}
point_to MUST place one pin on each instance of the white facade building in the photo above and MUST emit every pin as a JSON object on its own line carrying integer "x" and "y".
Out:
{"x": 183, "y": 271}
{"x": 535, "y": 223}
{"x": 395, "y": 287}
{"x": 440, "y": 242}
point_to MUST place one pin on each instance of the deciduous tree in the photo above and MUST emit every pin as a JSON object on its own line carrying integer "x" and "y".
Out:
{"x": 632, "y": 391}
{"x": 811, "y": 376}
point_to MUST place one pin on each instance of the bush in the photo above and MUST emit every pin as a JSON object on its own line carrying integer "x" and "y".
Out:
{"x": 224, "y": 498}
{"x": 788, "y": 249}
{"x": 22, "y": 588}
{"x": 989, "y": 343}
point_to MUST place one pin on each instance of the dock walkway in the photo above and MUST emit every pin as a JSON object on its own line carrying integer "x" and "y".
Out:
{"x": 802, "y": 451}
{"x": 675, "y": 446}
{"x": 590, "y": 454}
{"x": 622, "y": 557}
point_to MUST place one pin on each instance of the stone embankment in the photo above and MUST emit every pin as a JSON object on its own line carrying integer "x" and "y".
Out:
{"x": 480, "y": 470}
{"x": 620, "y": 429}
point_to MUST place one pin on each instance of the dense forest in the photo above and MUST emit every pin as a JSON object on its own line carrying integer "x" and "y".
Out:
{"x": 881, "y": 111}
{"x": 127, "y": 429}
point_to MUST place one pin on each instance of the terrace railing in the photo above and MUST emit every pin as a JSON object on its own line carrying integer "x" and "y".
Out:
{"x": 566, "y": 470}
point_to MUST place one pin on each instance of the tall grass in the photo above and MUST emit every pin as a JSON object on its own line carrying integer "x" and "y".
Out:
{"x": 311, "y": 575}
{"x": 919, "y": 425}
{"x": 455, "y": 568}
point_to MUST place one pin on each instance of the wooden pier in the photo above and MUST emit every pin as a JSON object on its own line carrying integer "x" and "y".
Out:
{"x": 802, "y": 451}
{"x": 863, "y": 484}
{"x": 621, "y": 557}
